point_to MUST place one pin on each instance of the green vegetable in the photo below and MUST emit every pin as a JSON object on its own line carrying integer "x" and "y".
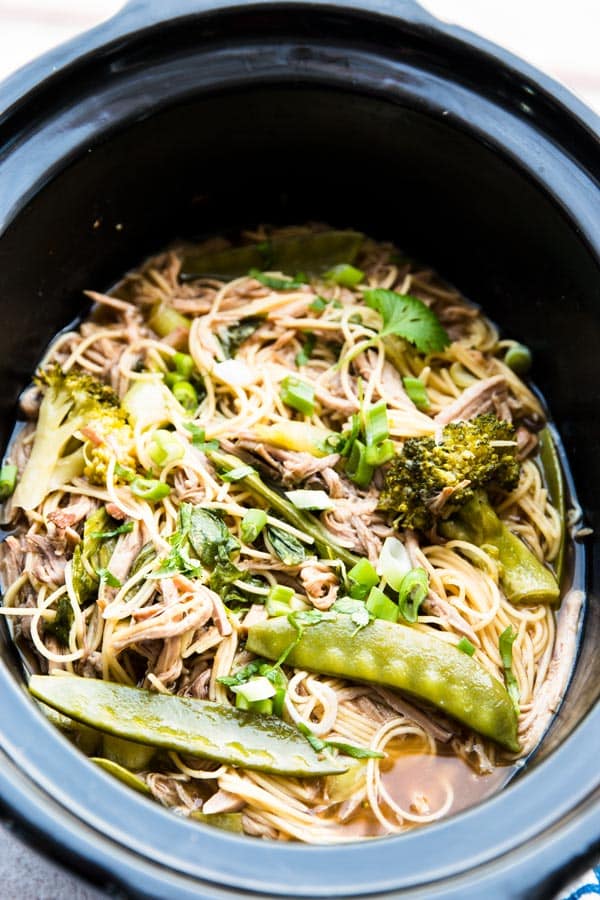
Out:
{"x": 553, "y": 477}
{"x": 184, "y": 364}
{"x": 523, "y": 578}
{"x": 465, "y": 646}
{"x": 232, "y": 338}
{"x": 310, "y": 499}
{"x": 380, "y": 454}
{"x": 279, "y": 599}
{"x": 125, "y": 528}
{"x": 70, "y": 402}
{"x": 381, "y": 607}
{"x": 344, "y": 274}
{"x": 149, "y": 403}
{"x": 165, "y": 447}
{"x": 225, "y": 821}
{"x": 399, "y": 657}
{"x": 278, "y": 284}
{"x": 298, "y": 394}
{"x": 505, "y": 645}
{"x": 8, "y": 480}
{"x": 376, "y": 424}
{"x": 254, "y": 690}
{"x": 409, "y": 318}
{"x": 133, "y": 781}
{"x": 518, "y": 358}
{"x": 164, "y": 320}
{"x": 393, "y": 563}
{"x": 150, "y": 489}
{"x": 351, "y": 750}
{"x": 92, "y": 555}
{"x": 356, "y": 609}
{"x": 357, "y": 468}
{"x": 307, "y": 350}
{"x": 299, "y": 436}
{"x": 480, "y": 453}
{"x": 417, "y": 392}
{"x": 210, "y": 537}
{"x": 288, "y": 548}
{"x": 318, "y": 304}
{"x": 413, "y": 590}
{"x": 108, "y": 578}
{"x": 252, "y": 524}
{"x": 237, "y": 474}
{"x": 185, "y": 394}
{"x": 60, "y": 626}
{"x": 199, "y": 438}
{"x": 126, "y": 753}
{"x": 324, "y": 544}
{"x": 313, "y": 253}
{"x": 195, "y": 727}
{"x": 363, "y": 575}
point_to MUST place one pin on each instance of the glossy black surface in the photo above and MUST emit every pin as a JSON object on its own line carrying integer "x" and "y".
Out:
{"x": 283, "y": 112}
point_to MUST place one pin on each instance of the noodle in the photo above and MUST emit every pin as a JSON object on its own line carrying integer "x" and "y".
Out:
{"x": 170, "y": 633}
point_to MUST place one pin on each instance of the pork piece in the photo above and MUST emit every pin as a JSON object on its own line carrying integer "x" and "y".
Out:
{"x": 527, "y": 442}
{"x": 257, "y": 613}
{"x": 12, "y": 560}
{"x": 127, "y": 548}
{"x": 320, "y": 584}
{"x": 534, "y": 723}
{"x": 482, "y": 397}
{"x": 169, "y": 663}
{"x": 290, "y": 466}
{"x": 66, "y": 516}
{"x": 427, "y": 720}
{"x": 174, "y": 620}
{"x": 435, "y": 605}
{"x": 393, "y": 391}
{"x": 223, "y": 802}
{"x": 46, "y": 558}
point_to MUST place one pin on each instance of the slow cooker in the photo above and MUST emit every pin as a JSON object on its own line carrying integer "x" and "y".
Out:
{"x": 197, "y": 117}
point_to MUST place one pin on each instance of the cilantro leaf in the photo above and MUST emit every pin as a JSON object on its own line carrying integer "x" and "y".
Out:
{"x": 356, "y": 609}
{"x": 408, "y": 318}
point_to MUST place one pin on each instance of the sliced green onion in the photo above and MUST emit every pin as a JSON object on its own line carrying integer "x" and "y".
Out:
{"x": 417, "y": 392}
{"x": 465, "y": 646}
{"x": 344, "y": 274}
{"x": 238, "y": 473}
{"x": 318, "y": 304}
{"x": 105, "y": 535}
{"x": 307, "y": 350}
{"x": 165, "y": 447}
{"x": 393, "y": 563}
{"x": 149, "y": 488}
{"x": 252, "y": 524}
{"x": 298, "y": 394}
{"x": 381, "y": 607}
{"x": 518, "y": 358}
{"x": 259, "y": 688}
{"x": 380, "y": 454}
{"x": 199, "y": 437}
{"x": 8, "y": 480}
{"x": 278, "y": 602}
{"x": 172, "y": 378}
{"x": 124, "y": 473}
{"x": 376, "y": 424}
{"x": 184, "y": 364}
{"x": 358, "y": 469}
{"x": 279, "y": 284}
{"x": 364, "y": 573}
{"x": 310, "y": 499}
{"x": 505, "y": 645}
{"x": 164, "y": 320}
{"x": 186, "y": 394}
{"x": 413, "y": 591}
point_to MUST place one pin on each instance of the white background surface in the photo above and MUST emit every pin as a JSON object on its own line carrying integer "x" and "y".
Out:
{"x": 560, "y": 38}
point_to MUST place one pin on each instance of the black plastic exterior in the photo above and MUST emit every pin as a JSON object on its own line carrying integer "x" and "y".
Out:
{"x": 369, "y": 114}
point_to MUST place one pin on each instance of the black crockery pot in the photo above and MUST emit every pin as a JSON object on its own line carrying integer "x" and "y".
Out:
{"x": 196, "y": 116}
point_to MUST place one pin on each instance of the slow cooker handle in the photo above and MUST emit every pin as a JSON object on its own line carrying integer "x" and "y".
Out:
{"x": 153, "y": 11}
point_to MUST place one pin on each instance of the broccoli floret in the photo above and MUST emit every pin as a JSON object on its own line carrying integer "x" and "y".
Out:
{"x": 446, "y": 483}
{"x": 74, "y": 407}
{"x": 431, "y": 479}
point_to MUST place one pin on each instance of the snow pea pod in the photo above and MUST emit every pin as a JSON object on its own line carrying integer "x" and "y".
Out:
{"x": 553, "y": 476}
{"x": 400, "y": 657}
{"x": 197, "y": 727}
{"x": 312, "y": 253}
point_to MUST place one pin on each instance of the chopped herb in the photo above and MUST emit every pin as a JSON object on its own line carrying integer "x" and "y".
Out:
{"x": 125, "y": 528}
{"x": 417, "y": 392}
{"x": 108, "y": 578}
{"x": 408, "y": 318}
{"x": 60, "y": 626}
{"x": 232, "y": 338}
{"x": 285, "y": 546}
{"x": 279, "y": 284}
{"x": 465, "y": 646}
{"x": 413, "y": 590}
{"x": 344, "y": 274}
{"x": 223, "y": 574}
{"x": 237, "y": 474}
{"x": 356, "y": 609}
{"x": 505, "y": 645}
{"x": 298, "y": 394}
{"x": 318, "y": 744}
{"x": 199, "y": 437}
{"x": 124, "y": 473}
{"x": 210, "y": 536}
{"x": 318, "y": 304}
{"x": 252, "y": 524}
{"x": 307, "y": 350}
